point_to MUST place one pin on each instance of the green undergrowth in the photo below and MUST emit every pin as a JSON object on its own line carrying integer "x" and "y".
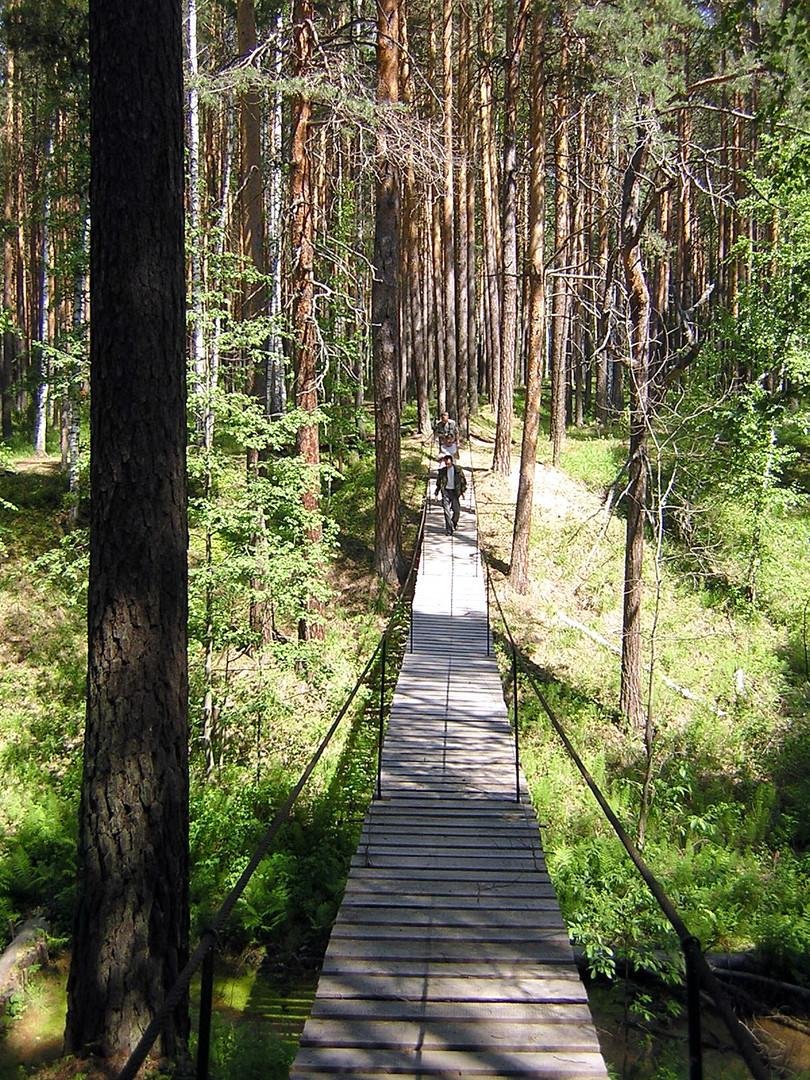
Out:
{"x": 274, "y": 703}
{"x": 727, "y": 830}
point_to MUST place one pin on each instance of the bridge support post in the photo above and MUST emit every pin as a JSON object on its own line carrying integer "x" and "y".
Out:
{"x": 381, "y": 716}
{"x": 515, "y": 707}
{"x": 488, "y": 631}
{"x": 691, "y": 952}
{"x": 206, "y": 1004}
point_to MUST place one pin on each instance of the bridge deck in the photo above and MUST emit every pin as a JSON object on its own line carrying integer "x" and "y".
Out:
{"x": 449, "y": 956}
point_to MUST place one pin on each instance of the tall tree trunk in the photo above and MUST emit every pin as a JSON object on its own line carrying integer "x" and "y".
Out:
{"x": 447, "y": 207}
{"x": 203, "y": 405}
{"x": 276, "y": 386}
{"x": 251, "y": 203}
{"x": 515, "y": 37}
{"x": 562, "y": 240}
{"x": 604, "y": 270}
{"x": 8, "y": 359}
{"x": 72, "y": 412}
{"x": 491, "y": 239}
{"x": 303, "y": 285}
{"x": 519, "y": 567}
{"x": 440, "y": 316}
{"x": 639, "y": 304}
{"x": 562, "y": 244}
{"x": 414, "y": 320}
{"x": 471, "y": 130}
{"x": 464, "y": 86}
{"x": 388, "y": 560}
{"x": 130, "y": 935}
{"x": 42, "y": 392}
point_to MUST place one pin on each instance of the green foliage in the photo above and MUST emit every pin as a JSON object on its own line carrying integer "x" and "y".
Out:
{"x": 37, "y": 857}
{"x": 251, "y": 1051}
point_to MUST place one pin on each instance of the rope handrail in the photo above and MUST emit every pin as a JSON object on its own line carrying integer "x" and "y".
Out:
{"x": 690, "y": 945}
{"x": 209, "y": 936}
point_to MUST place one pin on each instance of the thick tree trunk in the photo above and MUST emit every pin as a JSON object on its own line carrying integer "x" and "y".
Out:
{"x": 131, "y": 920}
{"x": 519, "y": 568}
{"x": 388, "y": 559}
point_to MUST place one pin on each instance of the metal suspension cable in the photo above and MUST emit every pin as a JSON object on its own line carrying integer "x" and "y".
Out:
{"x": 689, "y": 943}
{"x": 209, "y": 937}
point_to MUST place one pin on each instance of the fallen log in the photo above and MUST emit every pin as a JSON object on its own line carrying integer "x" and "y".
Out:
{"x": 28, "y": 948}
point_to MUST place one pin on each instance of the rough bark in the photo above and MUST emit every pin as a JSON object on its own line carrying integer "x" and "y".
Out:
{"x": 388, "y": 560}
{"x": 131, "y": 921}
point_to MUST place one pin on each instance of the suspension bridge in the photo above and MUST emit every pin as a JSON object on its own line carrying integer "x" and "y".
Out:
{"x": 449, "y": 956}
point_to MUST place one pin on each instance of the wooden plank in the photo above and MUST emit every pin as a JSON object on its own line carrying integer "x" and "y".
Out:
{"x": 558, "y": 985}
{"x": 473, "y": 862}
{"x": 458, "y": 1063}
{"x": 462, "y": 1010}
{"x": 404, "y": 841}
{"x": 480, "y": 877}
{"x": 447, "y": 917}
{"x": 542, "y": 899}
{"x": 474, "y": 932}
{"x": 510, "y": 967}
{"x": 443, "y": 1034}
{"x": 545, "y": 947}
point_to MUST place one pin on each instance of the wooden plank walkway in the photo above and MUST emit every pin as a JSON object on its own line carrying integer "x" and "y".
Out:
{"x": 449, "y": 956}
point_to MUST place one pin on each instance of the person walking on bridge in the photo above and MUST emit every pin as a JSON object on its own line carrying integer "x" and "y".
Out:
{"x": 446, "y": 431}
{"x": 451, "y": 483}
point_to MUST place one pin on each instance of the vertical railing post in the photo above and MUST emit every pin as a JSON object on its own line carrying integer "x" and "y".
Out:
{"x": 515, "y": 707}
{"x": 488, "y": 633}
{"x": 691, "y": 949}
{"x": 381, "y": 716}
{"x": 206, "y": 1005}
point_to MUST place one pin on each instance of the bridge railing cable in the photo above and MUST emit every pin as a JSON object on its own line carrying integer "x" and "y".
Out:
{"x": 203, "y": 955}
{"x": 698, "y": 973}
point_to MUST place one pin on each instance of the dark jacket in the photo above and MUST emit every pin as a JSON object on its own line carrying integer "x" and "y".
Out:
{"x": 461, "y": 481}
